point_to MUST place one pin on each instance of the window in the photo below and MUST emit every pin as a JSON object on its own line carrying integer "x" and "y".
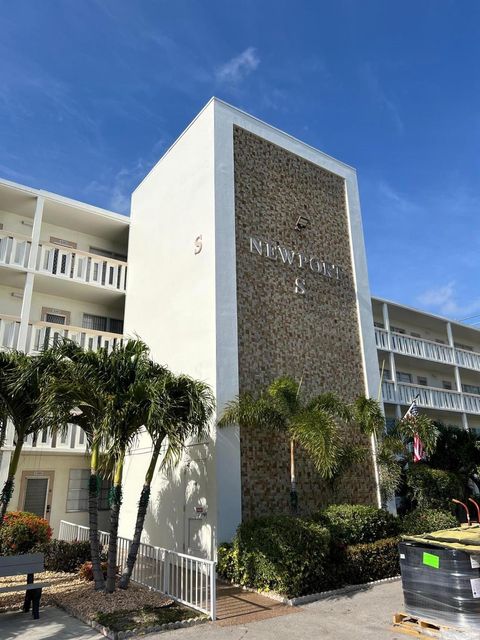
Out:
{"x": 465, "y": 347}
{"x": 447, "y": 385}
{"x": 108, "y": 254}
{"x": 471, "y": 388}
{"x": 415, "y": 335}
{"x": 63, "y": 243}
{"x": 101, "y": 323}
{"x": 77, "y": 496}
{"x": 397, "y": 329}
{"x": 422, "y": 380}
{"x": 438, "y": 341}
{"x": 55, "y": 318}
{"x": 404, "y": 377}
{"x": 379, "y": 325}
{"x": 386, "y": 374}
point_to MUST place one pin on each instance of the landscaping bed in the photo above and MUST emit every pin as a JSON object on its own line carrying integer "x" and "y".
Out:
{"x": 136, "y": 608}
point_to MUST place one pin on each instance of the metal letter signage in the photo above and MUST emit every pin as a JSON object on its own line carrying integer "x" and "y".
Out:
{"x": 289, "y": 257}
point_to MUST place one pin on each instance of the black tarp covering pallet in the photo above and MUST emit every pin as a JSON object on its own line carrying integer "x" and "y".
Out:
{"x": 441, "y": 584}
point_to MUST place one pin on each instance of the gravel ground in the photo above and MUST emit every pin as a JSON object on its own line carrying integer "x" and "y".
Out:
{"x": 68, "y": 591}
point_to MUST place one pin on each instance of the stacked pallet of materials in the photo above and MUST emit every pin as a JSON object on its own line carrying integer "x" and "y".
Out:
{"x": 441, "y": 576}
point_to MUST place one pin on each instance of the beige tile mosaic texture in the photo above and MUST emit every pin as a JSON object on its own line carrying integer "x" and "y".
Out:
{"x": 313, "y": 336}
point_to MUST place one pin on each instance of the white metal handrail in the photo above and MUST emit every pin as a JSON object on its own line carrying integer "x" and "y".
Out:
{"x": 426, "y": 349}
{"x": 430, "y": 397}
{"x": 72, "y": 439}
{"x": 9, "y": 329}
{"x": 81, "y": 266}
{"x": 14, "y": 249}
{"x": 184, "y": 578}
{"x": 46, "y": 334}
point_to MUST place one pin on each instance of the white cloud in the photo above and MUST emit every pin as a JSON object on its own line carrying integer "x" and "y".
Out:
{"x": 239, "y": 67}
{"x": 380, "y": 96}
{"x": 444, "y": 300}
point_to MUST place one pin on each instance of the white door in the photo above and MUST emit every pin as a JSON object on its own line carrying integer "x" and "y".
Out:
{"x": 197, "y": 530}
{"x": 36, "y": 492}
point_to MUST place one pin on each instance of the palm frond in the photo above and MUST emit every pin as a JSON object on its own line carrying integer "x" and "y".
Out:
{"x": 316, "y": 431}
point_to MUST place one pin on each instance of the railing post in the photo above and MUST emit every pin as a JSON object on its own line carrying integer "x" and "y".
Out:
{"x": 166, "y": 574}
{"x": 213, "y": 591}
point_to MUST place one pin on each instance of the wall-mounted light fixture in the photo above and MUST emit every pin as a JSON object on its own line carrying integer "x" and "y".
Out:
{"x": 14, "y": 294}
{"x": 302, "y": 223}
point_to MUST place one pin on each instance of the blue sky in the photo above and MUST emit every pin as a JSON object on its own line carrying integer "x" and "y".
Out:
{"x": 93, "y": 91}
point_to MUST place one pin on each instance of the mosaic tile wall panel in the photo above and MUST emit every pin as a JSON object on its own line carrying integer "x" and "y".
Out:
{"x": 312, "y": 336}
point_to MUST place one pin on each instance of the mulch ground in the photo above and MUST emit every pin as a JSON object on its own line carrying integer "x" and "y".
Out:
{"x": 69, "y": 592}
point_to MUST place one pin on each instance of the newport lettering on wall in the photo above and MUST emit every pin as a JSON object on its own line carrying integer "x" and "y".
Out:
{"x": 295, "y": 260}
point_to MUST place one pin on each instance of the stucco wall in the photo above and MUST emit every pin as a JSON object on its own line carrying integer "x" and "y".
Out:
{"x": 313, "y": 336}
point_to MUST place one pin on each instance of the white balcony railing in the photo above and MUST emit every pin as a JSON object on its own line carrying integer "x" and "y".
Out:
{"x": 81, "y": 266}
{"x": 9, "y": 328}
{"x": 187, "y": 579}
{"x": 14, "y": 249}
{"x": 430, "y": 397}
{"x": 426, "y": 349}
{"x": 72, "y": 439}
{"x": 46, "y": 334}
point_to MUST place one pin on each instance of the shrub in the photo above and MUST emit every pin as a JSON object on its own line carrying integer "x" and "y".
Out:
{"x": 277, "y": 553}
{"x": 356, "y": 523}
{"x": 226, "y": 564}
{"x": 433, "y": 488}
{"x": 21, "y": 532}
{"x": 65, "y": 556}
{"x": 363, "y": 563}
{"x": 425, "y": 521}
{"x": 86, "y": 570}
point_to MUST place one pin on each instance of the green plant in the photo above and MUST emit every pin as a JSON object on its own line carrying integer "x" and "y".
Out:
{"x": 363, "y": 563}
{"x": 85, "y": 571}
{"x": 226, "y": 565}
{"x": 65, "y": 556}
{"x": 317, "y": 425}
{"x": 356, "y": 523}
{"x": 427, "y": 520}
{"x": 278, "y": 553}
{"x": 432, "y": 488}
{"x": 22, "y": 532}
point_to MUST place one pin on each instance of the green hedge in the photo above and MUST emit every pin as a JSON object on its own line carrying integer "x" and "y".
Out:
{"x": 433, "y": 488}
{"x": 427, "y": 520}
{"x": 294, "y": 557}
{"x": 357, "y": 524}
{"x": 65, "y": 556}
{"x": 282, "y": 554}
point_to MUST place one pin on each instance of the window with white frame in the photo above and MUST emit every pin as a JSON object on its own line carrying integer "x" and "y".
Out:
{"x": 404, "y": 377}
{"x": 77, "y": 496}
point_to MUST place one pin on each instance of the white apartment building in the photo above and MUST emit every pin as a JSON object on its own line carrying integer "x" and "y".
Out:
{"x": 198, "y": 277}
{"x": 63, "y": 273}
{"x": 430, "y": 358}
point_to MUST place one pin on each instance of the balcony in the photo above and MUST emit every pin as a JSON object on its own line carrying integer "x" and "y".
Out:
{"x": 70, "y": 441}
{"x": 426, "y": 349}
{"x": 14, "y": 249}
{"x": 9, "y": 328}
{"x": 430, "y": 397}
{"x": 80, "y": 266}
{"x": 46, "y": 334}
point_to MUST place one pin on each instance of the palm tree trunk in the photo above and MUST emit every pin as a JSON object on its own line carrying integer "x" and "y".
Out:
{"x": 7, "y": 490}
{"x": 141, "y": 513}
{"x": 293, "y": 482}
{"x": 93, "y": 521}
{"x": 116, "y": 502}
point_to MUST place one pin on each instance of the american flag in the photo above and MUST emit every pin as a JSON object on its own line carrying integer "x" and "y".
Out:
{"x": 413, "y": 412}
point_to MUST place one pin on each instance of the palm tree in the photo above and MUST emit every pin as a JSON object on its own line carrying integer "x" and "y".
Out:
{"x": 314, "y": 425}
{"x": 76, "y": 397}
{"x": 22, "y": 382}
{"x": 180, "y": 410}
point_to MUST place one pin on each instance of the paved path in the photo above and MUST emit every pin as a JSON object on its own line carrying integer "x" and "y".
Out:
{"x": 54, "y": 624}
{"x": 237, "y": 606}
{"x": 361, "y": 615}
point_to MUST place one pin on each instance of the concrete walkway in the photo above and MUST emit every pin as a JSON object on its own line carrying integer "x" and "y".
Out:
{"x": 365, "y": 614}
{"x": 54, "y": 624}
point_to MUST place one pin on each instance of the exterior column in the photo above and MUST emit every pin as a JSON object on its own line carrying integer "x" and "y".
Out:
{"x": 391, "y": 356}
{"x": 30, "y": 277}
{"x": 458, "y": 379}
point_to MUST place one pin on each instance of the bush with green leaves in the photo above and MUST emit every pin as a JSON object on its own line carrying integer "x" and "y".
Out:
{"x": 427, "y": 520}
{"x": 65, "y": 556}
{"x": 357, "y": 524}
{"x": 21, "y": 532}
{"x": 432, "y": 488}
{"x": 277, "y": 553}
{"x": 362, "y": 563}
